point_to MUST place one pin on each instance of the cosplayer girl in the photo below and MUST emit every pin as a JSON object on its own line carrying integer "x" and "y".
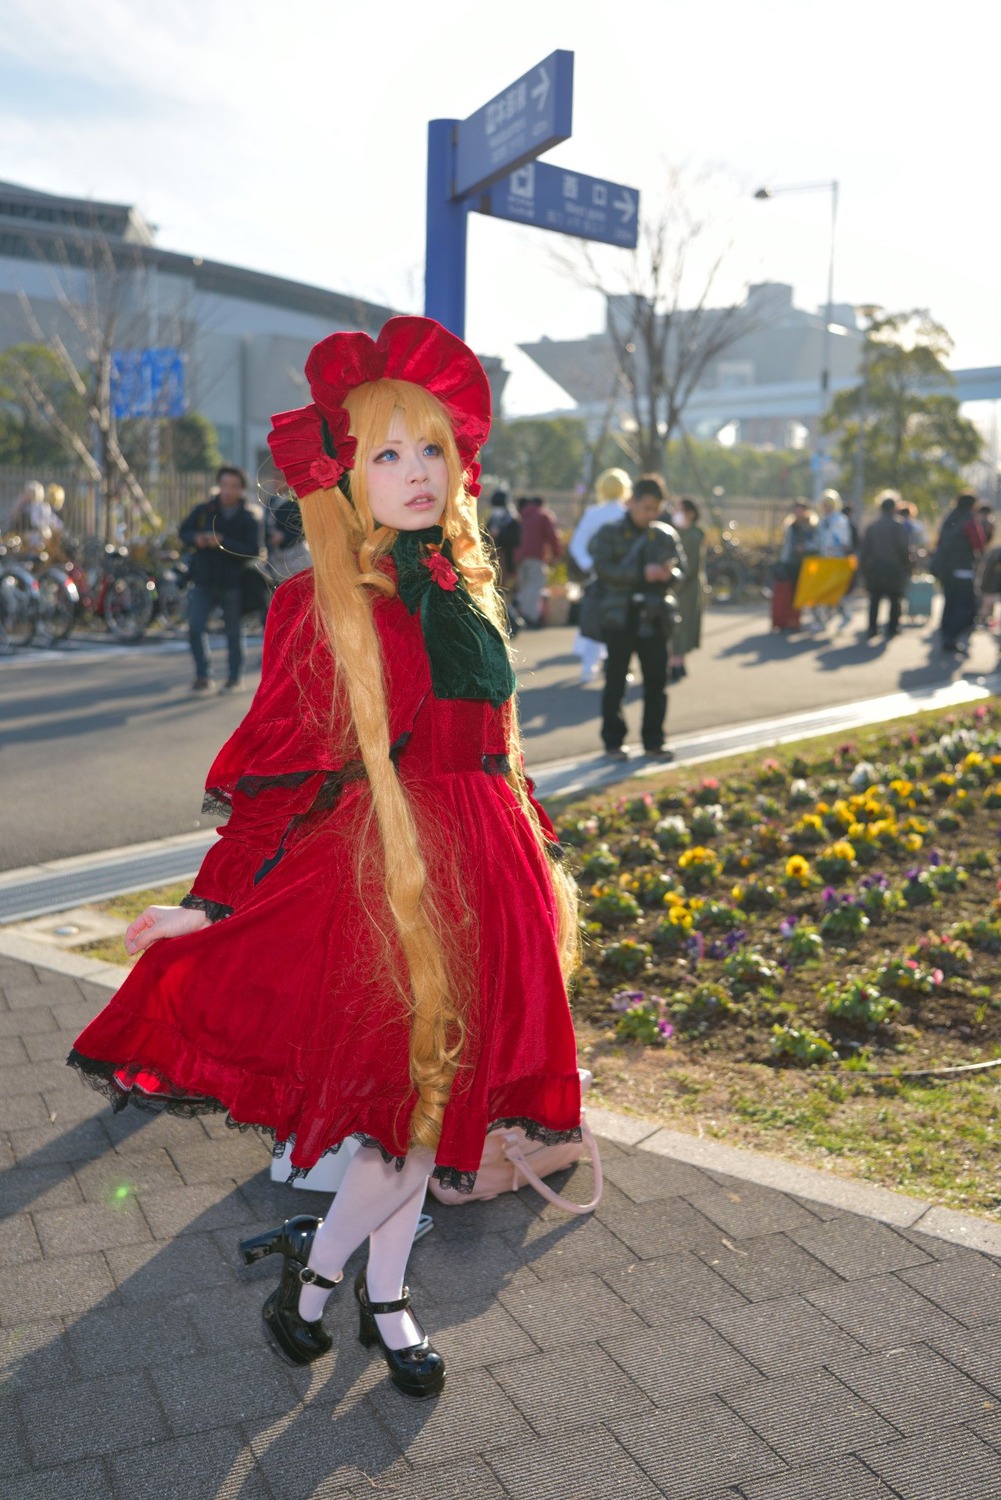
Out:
{"x": 377, "y": 945}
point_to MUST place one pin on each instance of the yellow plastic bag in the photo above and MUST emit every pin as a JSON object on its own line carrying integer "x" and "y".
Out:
{"x": 823, "y": 580}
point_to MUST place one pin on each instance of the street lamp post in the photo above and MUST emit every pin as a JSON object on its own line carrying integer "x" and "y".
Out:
{"x": 820, "y": 450}
{"x": 868, "y": 311}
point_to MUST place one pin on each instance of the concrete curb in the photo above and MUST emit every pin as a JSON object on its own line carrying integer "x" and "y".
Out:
{"x": 849, "y": 1194}
{"x": 48, "y": 956}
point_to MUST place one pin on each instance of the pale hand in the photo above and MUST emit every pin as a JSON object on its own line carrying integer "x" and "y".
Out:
{"x": 656, "y": 573}
{"x": 162, "y": 922}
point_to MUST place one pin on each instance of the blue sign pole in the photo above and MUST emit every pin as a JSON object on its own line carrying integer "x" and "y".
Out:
{"x": 498, "y": 145}
{"x": 445, "y": 244}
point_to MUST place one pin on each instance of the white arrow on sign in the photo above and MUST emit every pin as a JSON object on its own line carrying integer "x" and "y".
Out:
{"x": 626, "y": 206}
{"x": 540, "y": 93}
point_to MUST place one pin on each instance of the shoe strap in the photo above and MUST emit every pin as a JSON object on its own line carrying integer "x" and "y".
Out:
{"x": 309, "y": 1277}
{"x": 400, "y": 1305}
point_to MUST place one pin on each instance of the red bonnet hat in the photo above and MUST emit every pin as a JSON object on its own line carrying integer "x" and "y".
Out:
{"x": 311, "y": 445}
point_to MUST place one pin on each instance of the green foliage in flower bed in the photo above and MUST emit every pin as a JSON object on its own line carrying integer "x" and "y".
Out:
{"x": 802, "y": 900}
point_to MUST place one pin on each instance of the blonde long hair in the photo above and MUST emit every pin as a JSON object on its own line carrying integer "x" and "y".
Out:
{"x": 346, "y": 546}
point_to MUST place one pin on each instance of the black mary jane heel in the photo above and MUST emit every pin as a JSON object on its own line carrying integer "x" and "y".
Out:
{"x": 296, "y": 1339}
{"x": 417, "y": 1370}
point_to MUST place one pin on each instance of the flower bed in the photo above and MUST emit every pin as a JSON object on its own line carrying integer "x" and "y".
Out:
{"x": 833, "y": 910}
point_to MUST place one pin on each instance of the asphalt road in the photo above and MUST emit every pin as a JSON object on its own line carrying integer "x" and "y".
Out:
{"x": 102, "y": 746}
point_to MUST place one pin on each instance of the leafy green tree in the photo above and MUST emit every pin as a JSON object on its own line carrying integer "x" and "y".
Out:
{"x": 187, "y": 445}
{"x": 697, "y": 468}
{"x": 537, "y": 452}
{"x": 914, "y": 438}
{"x": 194, "y": 443}
{"x": 40, "y": 408}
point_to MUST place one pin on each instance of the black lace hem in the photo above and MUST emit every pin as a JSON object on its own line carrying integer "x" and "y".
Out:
{"x": 216, "y": 911}
{"x": 458, "y": 1179}
{"x": 101, "y": 1076}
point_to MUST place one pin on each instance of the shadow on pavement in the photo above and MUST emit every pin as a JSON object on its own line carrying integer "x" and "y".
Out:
{"x": 135, "y": 1340}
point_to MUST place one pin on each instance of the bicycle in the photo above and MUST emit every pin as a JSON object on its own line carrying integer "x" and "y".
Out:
{"x": 96, "y": 580}
{"x": 20, "y": 601}
{"x": 166, "y": 568}
{"x": 733, "y": 571}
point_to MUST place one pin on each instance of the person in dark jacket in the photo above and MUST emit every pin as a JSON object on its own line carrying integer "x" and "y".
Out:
{"x": 288, "y": 553}
{"x": 504, "y": 530}
{"x": 961, "y": 544}
{"x": 636, "y": 560}
{"x": 225, "y": 536}
{"x": 885, "y": 563}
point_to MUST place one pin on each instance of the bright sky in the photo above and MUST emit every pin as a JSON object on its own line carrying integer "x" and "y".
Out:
{"x": 292, "y": 138}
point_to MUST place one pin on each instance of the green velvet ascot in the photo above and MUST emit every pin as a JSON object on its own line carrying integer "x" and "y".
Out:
{"x": 466, "y": 651}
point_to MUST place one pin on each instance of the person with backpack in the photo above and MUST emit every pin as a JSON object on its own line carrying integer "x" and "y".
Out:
{"x": 612, "y": 490}
{"x": 504, "y": 530}
{"x": 638, "y": 561}
{"x": 961, "y": 543}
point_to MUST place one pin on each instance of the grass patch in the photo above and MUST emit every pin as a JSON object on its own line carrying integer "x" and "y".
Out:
{"x": 112, "y": 950}
{"x": 764, "y": 937}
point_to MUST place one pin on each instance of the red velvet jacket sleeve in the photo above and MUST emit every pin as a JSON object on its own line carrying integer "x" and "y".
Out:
{"x": 253, "y": 834}
{"x": 271, "y": 767}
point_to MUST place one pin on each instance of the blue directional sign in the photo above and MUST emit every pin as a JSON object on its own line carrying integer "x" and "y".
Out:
{"x": 147, "y": 383}
{"x": 568, "y": 202}
{"x": 527, "y": 118}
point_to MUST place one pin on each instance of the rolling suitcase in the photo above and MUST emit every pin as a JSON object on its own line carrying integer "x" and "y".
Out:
{"x": 784, "y": 617}
{"x": 920, "y": 596}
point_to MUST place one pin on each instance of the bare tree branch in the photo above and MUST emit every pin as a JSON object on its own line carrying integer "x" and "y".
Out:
{"x": 662, "y": 348}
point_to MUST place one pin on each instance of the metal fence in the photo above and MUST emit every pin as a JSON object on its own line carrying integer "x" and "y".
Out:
{"x": 170, "y": 497}
{"x": 764, "y": 518}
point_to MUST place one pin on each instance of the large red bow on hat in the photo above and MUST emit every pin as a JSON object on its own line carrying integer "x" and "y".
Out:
{"x": 310, "y": 450}
{"x": 415, "y": 349}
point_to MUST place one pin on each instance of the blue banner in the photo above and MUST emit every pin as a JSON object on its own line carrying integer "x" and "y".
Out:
{"x": 147, "y": 383}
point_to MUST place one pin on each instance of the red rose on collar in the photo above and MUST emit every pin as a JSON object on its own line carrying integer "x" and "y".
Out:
{"x": 441, "y": 571}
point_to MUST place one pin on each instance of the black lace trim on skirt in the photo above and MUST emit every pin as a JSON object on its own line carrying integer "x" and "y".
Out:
{"x": 218, "y": 800}
{"x": 459, "y": 1179}
{"x": 101, "y": 1076}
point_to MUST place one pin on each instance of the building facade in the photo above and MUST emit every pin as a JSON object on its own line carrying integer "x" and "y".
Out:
{"x": 82, "y": 271}
{"x": 766, "y": 383}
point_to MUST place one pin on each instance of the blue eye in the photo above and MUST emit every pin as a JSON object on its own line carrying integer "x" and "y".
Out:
{"x": 432, "y": 450}
{"x": 386, "y": 453}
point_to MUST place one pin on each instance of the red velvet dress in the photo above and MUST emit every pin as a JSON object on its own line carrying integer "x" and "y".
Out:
{"x": 281, "y": 1014}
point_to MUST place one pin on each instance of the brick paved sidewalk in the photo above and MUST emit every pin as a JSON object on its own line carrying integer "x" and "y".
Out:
{"x": 699, "y": 1336}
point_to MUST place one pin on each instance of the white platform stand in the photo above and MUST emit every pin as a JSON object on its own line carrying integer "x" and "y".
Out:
{"x": 325, "y": 1177}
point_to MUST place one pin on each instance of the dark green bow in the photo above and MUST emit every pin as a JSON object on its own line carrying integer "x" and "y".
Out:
{"x": 466, "y": 651}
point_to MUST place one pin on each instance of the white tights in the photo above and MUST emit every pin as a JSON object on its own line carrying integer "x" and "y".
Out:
{"x": 378, "y": 1202}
